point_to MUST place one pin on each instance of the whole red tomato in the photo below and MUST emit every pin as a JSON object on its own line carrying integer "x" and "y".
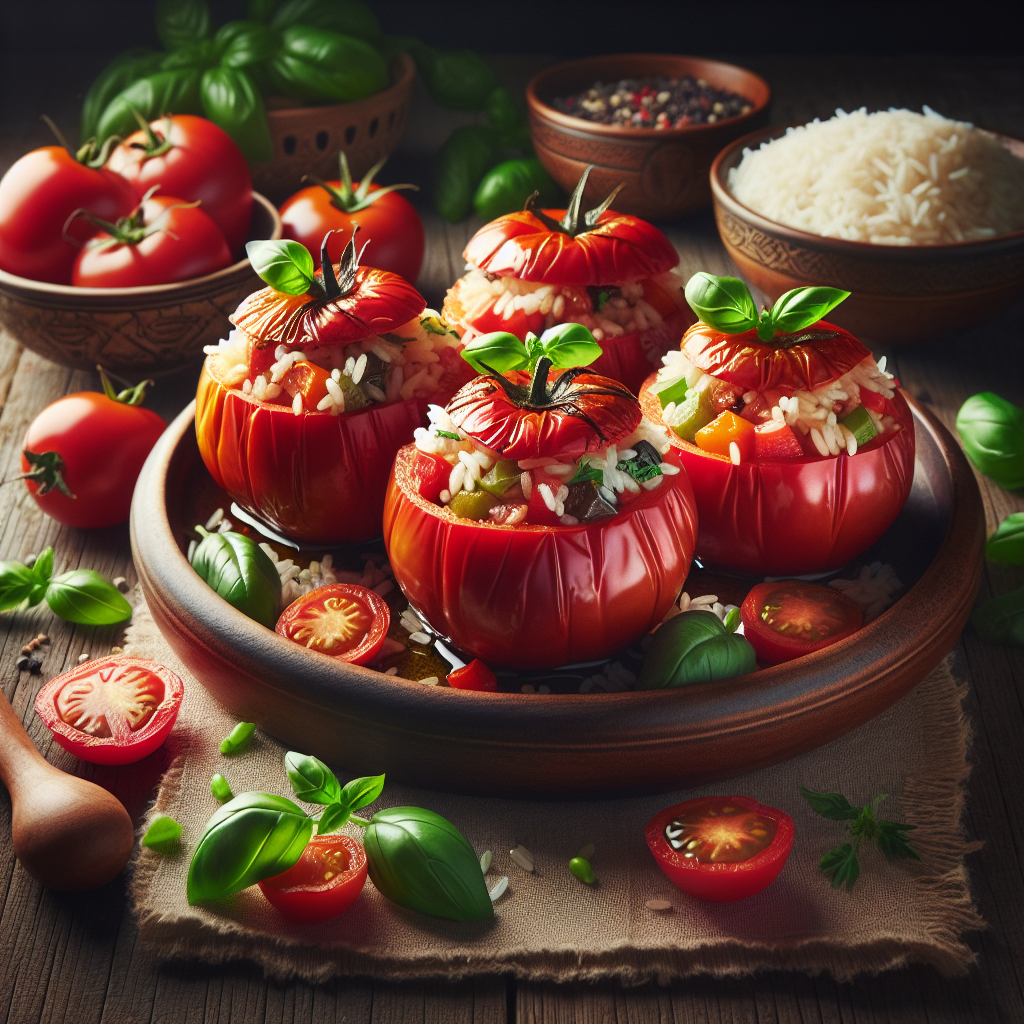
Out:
{"x": 323, "y": 883}
{"x": 112, "y": 710}
{"x": 392, "y": 229}
{"x": 194, "y": 159}
{"x": 37, "y": 196}
{"x": 163, "y": 241}
{"x": 721, "y": 848}
{"x": 82, "y": 455}
{"x": 540, "y": 596}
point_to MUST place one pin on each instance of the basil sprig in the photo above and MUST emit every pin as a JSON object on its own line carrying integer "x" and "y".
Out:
{"x": 238, "y": 569}
{"x": 565, "y": 345}
{"x": 1001, "y": 619}
{"x": 79, "y": 595}
{"x": 695, "y": 647}
{"x": 841, "y": 864}
{"x": 284, "y": 265}
{"x": 726, "y": 304}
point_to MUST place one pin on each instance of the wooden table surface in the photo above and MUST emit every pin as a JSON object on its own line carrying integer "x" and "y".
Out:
{"x": 75, "y": 957}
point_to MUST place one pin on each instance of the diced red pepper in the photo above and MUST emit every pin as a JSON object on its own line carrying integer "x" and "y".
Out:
{"x": 474, "y": 676}
{"x": 872, "y": 400}
{"x": 774, "y": 440}
{"x": 432, "y": 473}
{"x": 310, "y": 381}
{"x": 722, "y": 431}
{"x": 539, "y": 514}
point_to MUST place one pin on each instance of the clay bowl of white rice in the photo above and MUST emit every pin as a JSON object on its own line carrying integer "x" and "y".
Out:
{"x": 919, "y": 217}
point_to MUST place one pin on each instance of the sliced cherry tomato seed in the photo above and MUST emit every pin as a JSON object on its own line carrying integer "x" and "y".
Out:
{"x": 342, "y": 620}
{"x": 719, "y": 832}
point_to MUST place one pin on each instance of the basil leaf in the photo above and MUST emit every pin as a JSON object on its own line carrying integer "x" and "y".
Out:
{"x": 163, "y": 832}
{"x": 830, "y": 805}
{"x": 508, "y": 121}
{"x": 124, "y": 69}
{"x": 1001, "y": 620}
{"x": 349, "y": 17}
{"x": 1007, "y": 543}
{"x": 231, "y": 100}
{"x": 459, "y": 166}
{"x": 16, "y": 584}
{"x": 284, "y": 265}
{"x": 802, "y": 307}
{"x": 500, "y": 350}
{"x": 85, "y": 597}
{"x": 421, "y": 861}
{"x": 361, "y": 792}
{"x": 316, "y": 64}
{"x": 724, "y": 303}
{"x": 569, "y": 345}
{"x": 181, "y": 21}
{"x": 992, "y": 432}
{"x": 156, "y": 94}
{"x": 311, "y": 779}
{"x": 333, "y": 818}
{"x": 694, "y": 647}
{"x": 455, "y": 79}
{"x": 243, "y": 44}
{"x": 893, "y": 843}
{"x": 42, "y": 567}
{"x": 841, "y": 866}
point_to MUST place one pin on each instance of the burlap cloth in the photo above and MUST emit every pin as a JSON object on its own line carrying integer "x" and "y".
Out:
{"x": 549, "y": 926}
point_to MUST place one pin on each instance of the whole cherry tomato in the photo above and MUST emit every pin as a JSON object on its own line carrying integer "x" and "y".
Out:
{"x": 111, "y": 710}
{"x": 37, "y": 196}
{"x": 82, "y": 455}
{"x": 163, "y": 241}
{"x": 787, "y": 619}
{"x": 193, "y": 159}
{"x": 721, "y": 848}
{"x": 323, "y": 883}
{"x": 343, "y": 620}
{"x": 392, "y": 229}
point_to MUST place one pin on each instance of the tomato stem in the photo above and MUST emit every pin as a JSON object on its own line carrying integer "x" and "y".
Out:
{"x": 350, "y": 200}
{"x": 571, "y": 224}
{"x": 154, "y": 145}
{"x": 129, "y": 396}
{"x": 539, "y": 383}
{"x": 46, "y": 470}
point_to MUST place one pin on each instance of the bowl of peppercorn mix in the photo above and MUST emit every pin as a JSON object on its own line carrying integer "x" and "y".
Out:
{"x": 652, "y": 122}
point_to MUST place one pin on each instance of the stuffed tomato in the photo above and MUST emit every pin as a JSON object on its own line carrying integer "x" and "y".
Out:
{"x": 540, "y": 520}
{"x": 799, "y": 446}
{"x": 300, "y": 411}
{"x": 610, "y": 272}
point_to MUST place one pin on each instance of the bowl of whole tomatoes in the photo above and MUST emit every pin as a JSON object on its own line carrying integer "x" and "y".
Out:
{"x": 131, "y": 257}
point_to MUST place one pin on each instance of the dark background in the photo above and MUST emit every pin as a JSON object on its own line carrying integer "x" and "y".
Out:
{"x": 577, "y": 28}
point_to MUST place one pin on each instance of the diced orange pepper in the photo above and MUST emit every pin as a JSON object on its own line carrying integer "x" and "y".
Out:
{"x": 308, "y": 380}
{"x": 724, "y": 429}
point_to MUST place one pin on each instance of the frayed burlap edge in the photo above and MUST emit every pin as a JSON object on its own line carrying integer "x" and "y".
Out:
{"x": 935, "y": 805}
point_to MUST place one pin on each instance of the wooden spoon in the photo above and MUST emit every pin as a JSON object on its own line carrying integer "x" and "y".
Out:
{"x": 69, "y": 834}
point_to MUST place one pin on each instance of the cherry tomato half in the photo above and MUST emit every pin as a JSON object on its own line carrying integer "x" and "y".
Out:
{"x": 343, "y": 620}
{"x": 721, "y": 848}
{"x": 784, "y": 620}
{"x": 112, "y": 710}
{"x": 323, "y": 883}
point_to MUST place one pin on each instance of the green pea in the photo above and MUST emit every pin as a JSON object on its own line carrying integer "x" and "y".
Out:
{"x": 220, "y": 788}
{"x": 238, "y": 739}
{"x": 580, "y": 867}
{"x": 162, "y": 833}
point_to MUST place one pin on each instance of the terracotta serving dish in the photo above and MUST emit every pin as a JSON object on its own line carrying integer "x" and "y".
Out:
{"x": 580, "y": 744}
{"x": 136, "y": 331}
{"x": 900, "y": 294}
{"x": 665, "y": 171}
{"x": 307, "y": 140}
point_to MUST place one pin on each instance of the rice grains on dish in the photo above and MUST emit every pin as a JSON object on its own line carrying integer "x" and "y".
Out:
{"x": 892, "y": 177}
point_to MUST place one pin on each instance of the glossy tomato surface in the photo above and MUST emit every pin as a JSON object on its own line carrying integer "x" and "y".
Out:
{"x": 342, "y": 620}
{"x": 103, "y": 445}
{"x": 186, "y": 244}
{"x": 111, "y": 710}
{"x": 794, "y": 516}
{"x": 323, "y": 883}
{"x": 535, "y": 596}
{"x": 721, "y": 848}
{"x": 390, "y": 228}
{"x": 38, "y": 194}
{"x": 787, "y": 619}
{"x": 200, "y": 162}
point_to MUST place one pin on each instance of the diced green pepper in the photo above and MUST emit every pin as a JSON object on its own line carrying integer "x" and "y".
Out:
{"x": 673, "y": 393}
{"x": 473, "y": 504}
{"x": 859, "y": 424}
{"x": 500, "y": 477}
{"x": 696, "y": 411}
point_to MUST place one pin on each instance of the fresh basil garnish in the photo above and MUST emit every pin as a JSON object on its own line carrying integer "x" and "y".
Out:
{"x": 694, "y": 647}
{"x": 334, "y": 816}
{"x": 569, "y": 345}
{"x": 241, "y": 572}
{"x": 1007, "y": 543}
{"x": 17, "y": 584}
{"x": 362, "y": 792}
{"x": 800, "y": 308}
{"x": 1001, "y": 620}
{"x": 85, "y": 597}
{"x": 286, "y": 266}
{"x": 724, "y": 303}
{"x": 500, "y": 351}
{"x": 992, "y": 432}
{"x": 311, "y": 779}
{"x": 565, "y": 345}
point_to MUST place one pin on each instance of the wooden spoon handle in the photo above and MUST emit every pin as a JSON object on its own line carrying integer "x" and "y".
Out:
{"x": 18, "y": 753}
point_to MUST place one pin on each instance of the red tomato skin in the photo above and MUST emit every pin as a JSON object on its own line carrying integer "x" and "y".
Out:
{"x": 722, "y": 883}
{"x": 390, "y": 225}
{"x": 794, "y": 516}
{"x": 371, "y": 644}
{"x": 103, "y": 444}
{"x": 108, "y": 749}
{"x": 474, "y": 676}
{"x": 312, "y": 904}
{"x": 772, "y": 647}
{"x": 189, "y": 244}
{"x": 203, "y": 163}
{"x": 535, "y": 596}
{"x": 38, "y": 194}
